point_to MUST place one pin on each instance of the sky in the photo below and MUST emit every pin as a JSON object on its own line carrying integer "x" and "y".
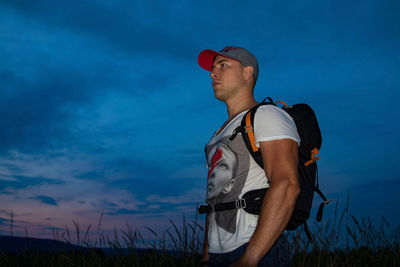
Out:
{"x": 104, "y": 111}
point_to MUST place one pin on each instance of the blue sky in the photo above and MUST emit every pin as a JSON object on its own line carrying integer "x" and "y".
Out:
{"x": 104, "y": 108}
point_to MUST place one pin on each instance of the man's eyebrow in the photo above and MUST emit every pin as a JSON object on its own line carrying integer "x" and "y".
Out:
{"x": 222, "y": 60}
{"x": 219, "y": 61}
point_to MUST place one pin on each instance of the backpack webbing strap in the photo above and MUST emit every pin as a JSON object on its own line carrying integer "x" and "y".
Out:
{"x": 322, "y": 205}
{"x": 251, "y": 202}
{"x": 308, "y": 233}
{"x": 313, "y": 157}
{"x": 237, "y": 204}
{"x": 248, "y": 128}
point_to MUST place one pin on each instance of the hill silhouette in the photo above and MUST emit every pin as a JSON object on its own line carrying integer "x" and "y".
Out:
{"x": 12, "y": 244}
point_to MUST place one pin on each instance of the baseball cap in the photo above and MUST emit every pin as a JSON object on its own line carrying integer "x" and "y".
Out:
{"x": 207, "y": 56}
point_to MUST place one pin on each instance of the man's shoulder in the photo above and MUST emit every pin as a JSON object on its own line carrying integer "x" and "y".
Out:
{"x": 269, "y": 107}
{"x": 272, "y": 122}
{"x": 272, "y": 112}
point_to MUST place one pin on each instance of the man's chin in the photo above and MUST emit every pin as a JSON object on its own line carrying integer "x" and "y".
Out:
{"x": 219, "y": 96}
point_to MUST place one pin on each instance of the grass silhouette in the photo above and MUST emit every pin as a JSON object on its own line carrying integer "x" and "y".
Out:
{"x": 341, "y": 241}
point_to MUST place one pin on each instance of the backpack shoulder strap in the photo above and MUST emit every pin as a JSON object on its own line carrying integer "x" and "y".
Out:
{"x": 246, "y": 128}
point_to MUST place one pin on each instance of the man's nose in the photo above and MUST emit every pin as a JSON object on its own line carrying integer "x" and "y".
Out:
{"x": 214, "y": 74}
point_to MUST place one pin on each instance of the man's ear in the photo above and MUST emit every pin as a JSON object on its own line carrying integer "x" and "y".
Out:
{"x": 248, "y": 72}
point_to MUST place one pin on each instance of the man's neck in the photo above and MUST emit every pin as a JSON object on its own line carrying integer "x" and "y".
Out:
{"x": 239, "y": 104}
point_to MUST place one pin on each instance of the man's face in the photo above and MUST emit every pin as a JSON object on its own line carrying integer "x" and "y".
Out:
{"x": 227, "y": 76}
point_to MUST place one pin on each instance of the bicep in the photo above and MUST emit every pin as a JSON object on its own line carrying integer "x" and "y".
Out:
{"x": 280, "y": 159}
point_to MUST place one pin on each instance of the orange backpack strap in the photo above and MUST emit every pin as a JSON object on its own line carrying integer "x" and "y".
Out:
{"x": 280, "y": 102}
{"x": 246, "y": 128}
{"x": 313, "y": 157}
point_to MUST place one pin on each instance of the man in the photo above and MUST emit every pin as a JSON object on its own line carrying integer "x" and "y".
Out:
{"x": 235, "y": 237}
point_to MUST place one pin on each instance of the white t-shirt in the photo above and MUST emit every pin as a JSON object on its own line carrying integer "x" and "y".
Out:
{"x": 232, "y": 172}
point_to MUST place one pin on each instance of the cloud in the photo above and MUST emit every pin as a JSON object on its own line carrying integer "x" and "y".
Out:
{"x": 23, "y": 182}
{"x": 104, "y": 107}
{"x": 65, "y": 82}
{"x": 46, "y": 200}
{"x": 4, "y": 221}
{"x": 163, "y": 205}
{"x": 54, "y": 229}
{"x": 92, "y": 175}
{"x": 143, "y": 186}
{"x": 117, "y": 25}
{"x": 37, "y": 114}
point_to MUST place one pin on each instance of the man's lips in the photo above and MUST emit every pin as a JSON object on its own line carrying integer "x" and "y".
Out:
{"x": 214, "y": 83}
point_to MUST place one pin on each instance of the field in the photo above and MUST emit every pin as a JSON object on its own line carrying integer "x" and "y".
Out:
{"x": 342, "y": 241}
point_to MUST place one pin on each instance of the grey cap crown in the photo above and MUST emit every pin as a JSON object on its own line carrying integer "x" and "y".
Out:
{"x": 243, "y": 56}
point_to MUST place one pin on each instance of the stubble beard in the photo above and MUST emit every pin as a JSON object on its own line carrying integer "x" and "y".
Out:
{"x": 224, "y": 94}
{"x": 218, "y": 92}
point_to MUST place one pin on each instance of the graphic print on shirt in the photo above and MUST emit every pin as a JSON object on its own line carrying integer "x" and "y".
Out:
{"x": 228, "y": 167}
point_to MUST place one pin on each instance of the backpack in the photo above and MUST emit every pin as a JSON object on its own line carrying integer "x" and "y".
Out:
{"x": 311, "y": 139}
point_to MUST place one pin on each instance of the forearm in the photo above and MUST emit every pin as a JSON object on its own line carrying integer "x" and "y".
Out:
{"x": 275, "y": 213}
{"x": 205, "y": 256}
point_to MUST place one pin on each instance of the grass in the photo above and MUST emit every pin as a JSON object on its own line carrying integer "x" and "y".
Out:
{"x": 348, "y": 241}
{"x": 342, "y": 241}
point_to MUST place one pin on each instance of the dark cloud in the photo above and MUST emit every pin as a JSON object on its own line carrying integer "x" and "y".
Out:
{"x": 36, "y": 114}
{"x": 92, "y": 175}
{"x": 22, "y": 182}
{"x": 143, "y": 177}
{"x": 116, "y": 26}
{"x": 126, "y": 211}
{"x": 41, "y": 113}
{"x": 307, "y": 50}
{"x": 4, "y": 222}
{"x": 152, "y": 208}
{"x": 12, "y": 167}
{"x": 46, "y": 200}
{"x": 134, "y": 166}
{"x": 144, "y": 186}
{"x": 107, "y": 203}
{"x": 52, "y": 229}
{"x": 40, "y": 108}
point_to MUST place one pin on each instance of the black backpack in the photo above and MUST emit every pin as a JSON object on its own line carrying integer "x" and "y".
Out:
{"x": 311, "y": 139}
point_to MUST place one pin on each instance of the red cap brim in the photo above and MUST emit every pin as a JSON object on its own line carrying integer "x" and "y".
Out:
{"x": 206, "y": 58}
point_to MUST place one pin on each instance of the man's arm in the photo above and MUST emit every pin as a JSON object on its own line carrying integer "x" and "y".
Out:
{"x": 280, "y": 165}
{"x": 205, "y": 257}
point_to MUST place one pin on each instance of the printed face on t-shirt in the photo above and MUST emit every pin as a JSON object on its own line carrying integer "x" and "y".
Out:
{"x": 221, "y": 176}
{"x": 228, "y": 167}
